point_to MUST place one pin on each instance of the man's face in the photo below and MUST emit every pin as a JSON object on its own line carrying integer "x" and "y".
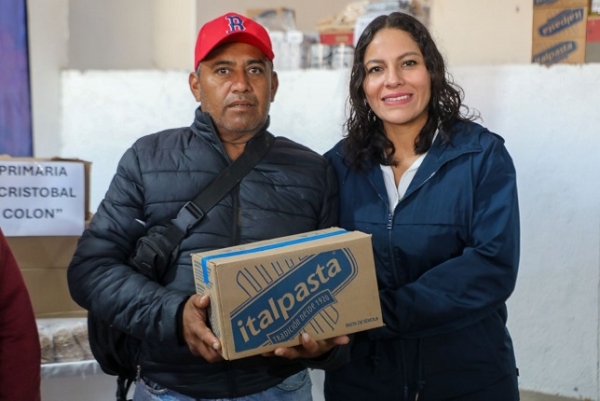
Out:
{"x": 235, "y": 84}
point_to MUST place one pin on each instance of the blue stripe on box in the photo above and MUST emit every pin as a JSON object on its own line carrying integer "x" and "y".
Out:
{"x": 264, "y": 248}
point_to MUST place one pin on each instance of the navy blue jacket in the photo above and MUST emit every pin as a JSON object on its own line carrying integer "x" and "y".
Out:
{"x": 291, "y": 190}
{"x": 446, "y": 262}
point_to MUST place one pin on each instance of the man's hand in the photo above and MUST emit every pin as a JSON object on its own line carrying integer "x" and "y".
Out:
{"x": 309, "y": 347}
{"x": 199, "y": 337}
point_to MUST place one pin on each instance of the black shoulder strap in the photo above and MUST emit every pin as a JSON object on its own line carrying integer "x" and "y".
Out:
{"x": 193, "y": 211}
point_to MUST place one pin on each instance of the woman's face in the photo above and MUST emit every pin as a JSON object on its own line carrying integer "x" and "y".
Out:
{"x": 397, "y": 84}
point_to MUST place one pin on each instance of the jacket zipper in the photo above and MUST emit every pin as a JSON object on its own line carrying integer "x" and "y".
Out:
{"x": 390, "y": 246}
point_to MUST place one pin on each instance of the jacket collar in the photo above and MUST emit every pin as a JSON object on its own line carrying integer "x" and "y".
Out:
{"x": 465, "y": 139}
{"x": 203, "y": 126}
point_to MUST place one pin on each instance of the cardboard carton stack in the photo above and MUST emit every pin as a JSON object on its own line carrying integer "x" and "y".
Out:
{"x": 559, "y": 31}
{"x": 339, "y": 29}
{"x": 45, "y": 205}
{"x": 592, "y": 46}
{"x": 289, "y": 43}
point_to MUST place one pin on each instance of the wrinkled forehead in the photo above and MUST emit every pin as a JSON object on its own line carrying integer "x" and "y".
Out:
{"x": 235, "y": 53}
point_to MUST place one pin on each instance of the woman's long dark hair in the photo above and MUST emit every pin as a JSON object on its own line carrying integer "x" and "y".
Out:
{"x": 366, "y": 142}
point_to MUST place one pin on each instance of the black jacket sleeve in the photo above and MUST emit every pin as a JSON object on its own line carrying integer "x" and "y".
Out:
{"x": 99, "y": 278}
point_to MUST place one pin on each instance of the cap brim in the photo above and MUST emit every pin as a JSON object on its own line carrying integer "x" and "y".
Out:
{"x": 242, "y": 37}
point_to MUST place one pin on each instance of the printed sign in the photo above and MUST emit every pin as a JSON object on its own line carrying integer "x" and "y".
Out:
{"x": 42, "y": 198}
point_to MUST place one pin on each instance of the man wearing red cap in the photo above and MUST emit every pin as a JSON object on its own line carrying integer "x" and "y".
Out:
{"x": 291, "y": 190}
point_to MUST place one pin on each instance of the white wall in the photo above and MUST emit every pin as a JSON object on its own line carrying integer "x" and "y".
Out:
{"x": 483, "y": 32}
{"x": 546, "y": 116}
{"x": 48, "y": 34}
{"x": 111, "y": 34}
{"x": 174, "y": 34}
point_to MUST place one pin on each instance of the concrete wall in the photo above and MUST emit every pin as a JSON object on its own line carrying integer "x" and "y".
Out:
{"x": 110, "y": 34}
{"x": 483, "y": 32}
{"x": 48, "y": 38}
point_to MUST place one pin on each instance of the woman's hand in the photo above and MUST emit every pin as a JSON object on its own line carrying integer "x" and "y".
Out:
{"x": 309, "y": 348}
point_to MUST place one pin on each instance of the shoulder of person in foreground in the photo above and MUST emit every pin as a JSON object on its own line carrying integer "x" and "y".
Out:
{"x": 335, "y": 155}
{"x": 474, "y": 132}
{"x": 314, "y": 170}
{"x": 296, "y": 151}
{"x": 20, "y": 353}
{"x": 166, "y": 138}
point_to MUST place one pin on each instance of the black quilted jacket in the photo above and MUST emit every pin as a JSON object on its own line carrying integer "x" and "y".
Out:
{"x": 291, "y": 190}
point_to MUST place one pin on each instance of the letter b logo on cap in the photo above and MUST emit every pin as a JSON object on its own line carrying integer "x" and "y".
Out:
{"x": 235, "y": 24}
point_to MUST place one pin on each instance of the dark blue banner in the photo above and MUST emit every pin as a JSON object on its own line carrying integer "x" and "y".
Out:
{"x": 15, "y": 101}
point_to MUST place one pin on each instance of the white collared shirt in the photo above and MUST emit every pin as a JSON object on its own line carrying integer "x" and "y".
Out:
{"x": 396, "y": 193}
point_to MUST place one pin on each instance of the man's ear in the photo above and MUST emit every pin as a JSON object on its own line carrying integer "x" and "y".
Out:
{"x": 274, "y": 85}
{"x": 194, "y": 82}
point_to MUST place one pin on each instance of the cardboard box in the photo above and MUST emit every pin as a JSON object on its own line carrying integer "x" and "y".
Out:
{"x": 559, "y": 52}
{"x": 337, "y": 37}
{"x": 43, "y": 197}
{"x": 592, "y": 46}
{"x": 545, "y": 4}
{"x": 559, "y": 23}
{"x": 43, "y": 259}
{"x": 265, "y": 294}
{"x": 43, "y": 262}
{"x": 559, "y": 30}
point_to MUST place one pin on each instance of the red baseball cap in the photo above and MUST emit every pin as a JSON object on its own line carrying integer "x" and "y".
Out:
{"x": 229, "y": 28}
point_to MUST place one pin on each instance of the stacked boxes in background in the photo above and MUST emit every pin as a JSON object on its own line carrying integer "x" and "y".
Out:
{"x": 265, "y": 294}
{"x": 332, "y": 44}
{"x": 44, "y": 207}
{"x": 334, "y": 48}
{"x": 559, "y": 31}
{"x": 43, "y": 210}
{"x": 43, "y": 262}
{"x": 289, "y": 43}
{"x": 592, "y": 46}
{"x": 334, "y": 37}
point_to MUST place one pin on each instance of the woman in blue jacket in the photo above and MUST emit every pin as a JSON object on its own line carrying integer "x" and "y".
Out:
{"x": 438, "y": 194}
